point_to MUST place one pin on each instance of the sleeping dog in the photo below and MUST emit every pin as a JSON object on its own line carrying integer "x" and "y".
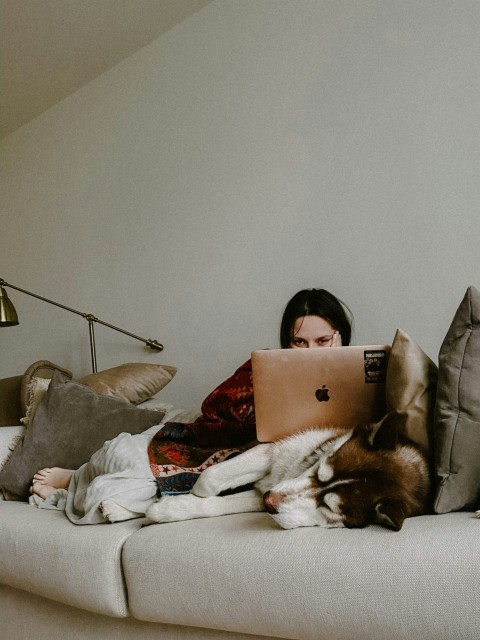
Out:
{"x": 325, "y": 477}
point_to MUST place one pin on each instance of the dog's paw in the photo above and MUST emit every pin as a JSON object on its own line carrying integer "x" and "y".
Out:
{"x": 206, "y": 485}
{"x": 172, "y": 508}
{"x": 113, "y": 512}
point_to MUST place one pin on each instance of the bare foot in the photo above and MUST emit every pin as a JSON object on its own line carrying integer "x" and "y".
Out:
{"x": 54, "y": 477}
{"x": 42, "y": 490}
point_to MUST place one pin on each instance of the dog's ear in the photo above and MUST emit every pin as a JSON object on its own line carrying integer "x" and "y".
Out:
{"x": 389, "y": 514}
{"x": 384, "y": 434}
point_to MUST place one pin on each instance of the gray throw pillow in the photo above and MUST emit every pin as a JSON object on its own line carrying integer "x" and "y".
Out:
{"x": 457, "y": 411}
{"x": 70, "y": 424}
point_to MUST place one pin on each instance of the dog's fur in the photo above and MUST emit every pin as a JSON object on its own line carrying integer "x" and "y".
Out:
{"x": 320, "y": 477}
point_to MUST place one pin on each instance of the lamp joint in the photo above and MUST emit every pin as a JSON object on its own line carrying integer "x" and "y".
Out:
{"x": 154, "y": 344}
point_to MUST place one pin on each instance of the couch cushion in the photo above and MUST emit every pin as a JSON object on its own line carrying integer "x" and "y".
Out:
{"x": 457, "y": 413}
{"x": 26, "y": 616}
{"x": 44, "y": 553}
{"x": 241, "y": 573}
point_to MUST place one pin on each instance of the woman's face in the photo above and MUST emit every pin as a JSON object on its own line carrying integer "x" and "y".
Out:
{"x": 312, "y": 331}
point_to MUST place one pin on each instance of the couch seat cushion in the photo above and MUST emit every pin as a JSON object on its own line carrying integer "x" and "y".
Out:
{"x": 44, "y": 553}
{"x": 241, "y": 573}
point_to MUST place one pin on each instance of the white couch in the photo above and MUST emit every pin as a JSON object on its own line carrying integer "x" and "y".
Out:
{"x": 236, "y": 577}
{"x": 240, "y": 577}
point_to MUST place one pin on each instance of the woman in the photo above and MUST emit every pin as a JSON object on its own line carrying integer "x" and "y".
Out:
{"x": 313, "y": 318}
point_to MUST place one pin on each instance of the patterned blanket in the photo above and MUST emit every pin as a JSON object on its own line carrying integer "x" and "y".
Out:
{"x": 176, "y": 466}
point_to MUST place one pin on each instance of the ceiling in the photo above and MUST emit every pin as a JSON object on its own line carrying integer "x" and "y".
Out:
{"x": 51, "y": 48}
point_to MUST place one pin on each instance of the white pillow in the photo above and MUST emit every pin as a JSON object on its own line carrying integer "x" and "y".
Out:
{"x": 171, "y": 414}
{"x": 9, "y": 438}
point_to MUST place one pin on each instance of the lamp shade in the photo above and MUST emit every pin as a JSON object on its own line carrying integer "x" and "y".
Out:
{"x": 8, "y": 315}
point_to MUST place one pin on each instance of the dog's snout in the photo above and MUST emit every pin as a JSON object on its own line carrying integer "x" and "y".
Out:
{"x": 269, "y": 502}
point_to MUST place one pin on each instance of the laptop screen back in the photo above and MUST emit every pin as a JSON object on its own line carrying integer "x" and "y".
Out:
{"x": 295, "y": 389}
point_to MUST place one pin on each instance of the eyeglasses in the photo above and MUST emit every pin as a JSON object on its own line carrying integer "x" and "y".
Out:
{"x": 330, "y": 340}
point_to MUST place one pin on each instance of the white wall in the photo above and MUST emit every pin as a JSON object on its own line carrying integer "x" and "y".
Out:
{"x": 259, "y": 147}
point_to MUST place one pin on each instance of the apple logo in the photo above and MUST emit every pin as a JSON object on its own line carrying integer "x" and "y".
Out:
{"x": 322, "y": 394}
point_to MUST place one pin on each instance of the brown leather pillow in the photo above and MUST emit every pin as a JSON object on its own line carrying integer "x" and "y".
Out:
{"x": 10, "y": 408}
{"x": 133, "y": 382}
{"x": 411, "y": 388}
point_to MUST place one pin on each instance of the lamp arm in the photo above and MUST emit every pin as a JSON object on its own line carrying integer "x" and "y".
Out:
{"x": 153, "y": 344}
{"x": 149, "y": 342}
{"x": 35, "y": 295}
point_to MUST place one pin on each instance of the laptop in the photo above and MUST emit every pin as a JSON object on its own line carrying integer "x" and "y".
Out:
{"x": 295, "y": 389}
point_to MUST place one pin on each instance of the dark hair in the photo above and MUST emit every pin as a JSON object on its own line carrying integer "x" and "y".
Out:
{"x": 316, "y": 302}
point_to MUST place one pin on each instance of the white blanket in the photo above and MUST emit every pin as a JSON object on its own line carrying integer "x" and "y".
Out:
{"x": 119, "y": 471}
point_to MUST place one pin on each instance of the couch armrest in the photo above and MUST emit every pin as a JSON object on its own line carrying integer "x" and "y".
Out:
{"x": 10, "y": 408}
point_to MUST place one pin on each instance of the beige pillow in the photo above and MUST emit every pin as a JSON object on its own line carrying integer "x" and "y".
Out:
{"x": 36, "y": 389}
{"x": 411, "y": 388}
{"x": 38, "y": 369}
{"x": 133, "y": 382}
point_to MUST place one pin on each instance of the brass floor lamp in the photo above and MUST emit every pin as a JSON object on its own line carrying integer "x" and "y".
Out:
{"x": 9, "y": 318}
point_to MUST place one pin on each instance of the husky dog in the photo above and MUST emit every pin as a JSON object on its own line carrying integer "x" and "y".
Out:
{"x": 326, "y": 477}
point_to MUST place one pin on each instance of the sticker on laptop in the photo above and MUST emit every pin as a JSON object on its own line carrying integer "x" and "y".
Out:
{"x": 375, "y": 365}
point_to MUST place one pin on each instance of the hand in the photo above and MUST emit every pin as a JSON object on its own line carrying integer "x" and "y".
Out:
{"x": 176, "y": 432}
{"x": 336, "y": 340}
